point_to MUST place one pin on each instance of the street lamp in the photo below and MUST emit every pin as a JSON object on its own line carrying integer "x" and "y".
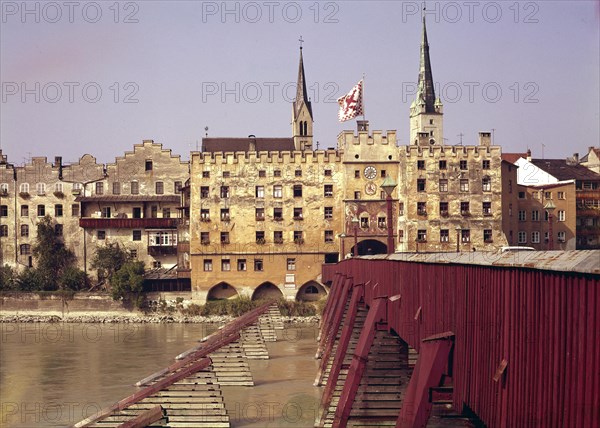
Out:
{"x": 388, "y": 187}
{"x": 342, "y": 238}
{"x": 458, "y": 239}
{"x": 355, "y": 222}
{"x": 550, "y": 207}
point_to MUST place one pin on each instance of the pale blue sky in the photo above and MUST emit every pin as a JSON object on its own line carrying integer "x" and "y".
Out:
{"x": 178, "y": 57}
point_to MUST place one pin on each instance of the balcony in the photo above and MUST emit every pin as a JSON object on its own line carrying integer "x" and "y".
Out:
{"x": 162, "y": 250}
{"x": 128, "y": 223}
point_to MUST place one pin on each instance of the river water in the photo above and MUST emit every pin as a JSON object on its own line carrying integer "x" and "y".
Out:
{"x": 54, "y": 375}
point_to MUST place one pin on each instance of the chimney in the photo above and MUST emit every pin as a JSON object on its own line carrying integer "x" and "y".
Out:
{"x": 362, "y": 125}
{"x": 529, "y": 155}
{"x": 58, "y": 164}
{"x": 485, "y": 139}
{"x": 252, "y": 145}
{"x": 576, "y": 158}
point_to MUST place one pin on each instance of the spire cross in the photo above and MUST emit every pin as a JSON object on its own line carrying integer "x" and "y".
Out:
{"x": 301, "y": 41}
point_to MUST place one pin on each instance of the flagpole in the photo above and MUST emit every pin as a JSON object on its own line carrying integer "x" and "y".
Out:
{"x": 363, "y": 96}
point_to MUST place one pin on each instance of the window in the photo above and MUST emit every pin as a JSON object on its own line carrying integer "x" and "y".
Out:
{"x": 24, "y": 230}
{"x": 421, "y": 208}
{"x": 278, "y": 237}
{"x": 101, "y": 234}
{"x": 485, "y": 164}
{"x": 205, "y": 174}
{"x": 463, "y": 165}
{"x": 24, "y": 210}
{"x": 260, "y": 237}
{"x": 486, "y": 184}
{"x": 116, "y": 188}
{"x": 561, "y": 215}
{"x": 133, "y": 254}
{"x": 3, "y": 230}
{"x": 99, "y": 188}
{"x": 277, "y": 173}
{"x": 41, "y": 210}
{"x": 148, "y": 165}
{"x": 298, "y": 214}
{"x": 535, "y": 215}
{"x": 328, "y": 190}
{"x": 465, "y": 235}
{"x": 224, "y": 191}
{"x": 205, "y": 238}
{"x": 262, "y": 173}
{"x": 535, "y": 195}
{"x": 509, "y": 186}
{"x": 260, "y": 214}
{"x": 400, "y": 208}
{"x": 381, "y": 222}
{"x": 298, "y": 173}
{"x": 421, "y": 164}
{"x": 522, "y": 215}
{"x": 225, "y": 265}
{"x": 135, "y": 187}
{"x": 136, "y": 235}
{"x": 277, "y": 191}
{"x": 400, "y": 236}
{"x": 357, "y": 195}
{"x": 3, "y": 210}
{"x": 464, "y": 208}
{"x": 561, "y": 195}
{"x": 224, "y": 237}
{"x": 297, "y": 190}
{"x": 177, "y": 186}
{"x": 548, "y": 195}
{"x": 383, "y": 173}
{"x": 444, "y": 235}
{"x": 24, "y": 188}
{"x": 521, "y": 195}
{"x": 561, "y": 236}
{"x": 40, "y": 188}
{"x": 420, "y": 185}
{"x": 58, "y": 210}
{"x": 241, "y": 264}
{"x": 208, "y": 265}
{"x": 422, "y": 235}
{"x": 298, "y": 237}
{"x": 258, "y": 265}
{"x": 277, "y": 214}
{"x": 106, "y": 212}
{"x": 328, "y": 213}
{"x": 291, "y": 264}
{"x": 487, "y": 235}
{"x": 4, "y": 189}
{"x": 545, "y": 236}
{"x": 487, "y": 208}
{"x": 25, "y": 249}
{"x": 356, "y": 173}
{"x": 225, "y": 214}
{"x": 204, "y": 191}
{"x": 226, "y": 174}
{"x": 535, "y": 237}
{"x": 58, "y": 188}
{"x": 75, "y": 210}
{"x": 328, "y": 236}
{"x": 159, "y": 187}
{"x": 58, "y": 229}
{"x": 166, "y": 213}
{"x": 444, "y": 209}
{"x": 545, "y": 215}
{"x": 464, "y": 185}
{"x": 442, "y": 164}
{"x": 522, "y": 237}
{"x": 259, "y": 191}
{"x": 364, "y": 222}
{"x": 443, "y": 185}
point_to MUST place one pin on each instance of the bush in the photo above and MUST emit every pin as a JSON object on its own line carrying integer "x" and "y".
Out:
{"x": 7, "y": 278}
{"x": 292, "y": 308}
{"x": 72, "y": 279}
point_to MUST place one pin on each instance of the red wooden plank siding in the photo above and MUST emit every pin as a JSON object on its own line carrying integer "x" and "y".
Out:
{"x": 545, "y": 324}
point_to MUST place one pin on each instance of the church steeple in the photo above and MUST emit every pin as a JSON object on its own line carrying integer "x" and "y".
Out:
{"x": 426, "y": 111}
{"x": 302, "y": 116}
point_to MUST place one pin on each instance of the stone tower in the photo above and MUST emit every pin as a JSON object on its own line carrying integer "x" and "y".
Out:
{"x": 426, "y": 113}
{"x": 302, "y": 116}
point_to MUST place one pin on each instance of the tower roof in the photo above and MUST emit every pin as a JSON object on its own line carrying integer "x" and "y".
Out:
{"x": 426, "y": 91}
{"x": 301, "y": 93}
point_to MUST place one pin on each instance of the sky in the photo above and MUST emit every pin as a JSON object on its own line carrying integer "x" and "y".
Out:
{"x": 99, "y": 77}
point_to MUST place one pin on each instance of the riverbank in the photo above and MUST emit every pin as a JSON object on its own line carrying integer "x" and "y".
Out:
{"x": 132, "y": 318}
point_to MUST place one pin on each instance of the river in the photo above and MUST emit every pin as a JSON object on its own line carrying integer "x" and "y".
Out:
{"x": 54, "y": 375}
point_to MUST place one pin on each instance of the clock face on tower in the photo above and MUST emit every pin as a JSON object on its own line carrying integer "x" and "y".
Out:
{"x": 370, "y": 172}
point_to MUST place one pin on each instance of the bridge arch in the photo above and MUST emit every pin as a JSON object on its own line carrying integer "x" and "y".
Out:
{"x": 222, "y": 291}
{"x": 369, "y": 247}
{"x": 311, "y": 291}
{"x": 267, "y": 290}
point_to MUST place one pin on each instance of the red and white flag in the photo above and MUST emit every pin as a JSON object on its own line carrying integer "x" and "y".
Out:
{"x": 351, "y": 104}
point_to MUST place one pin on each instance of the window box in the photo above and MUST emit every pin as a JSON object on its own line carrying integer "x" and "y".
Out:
{"x": 205, "y": 242}
{"x": 205, "y": 219}
{"x": 299, "y": 241}
{"x": 260, "y": 241}
{"x": 225, "y": 241}
{"x": 260, "y": 218}
{"x": 488, "y": 241}
{"x": 444, "y": 213}
{"x": 24, "y": 194}
{"x": 298, "y": 218}
{"x": 278, "y": 218}
{"x": 421, "y": 241}
{"x": 465, "y": 213}
{"x": 422, "y": 212}
{"x": 278, "y": 241}
{"x": 59, "y": 194}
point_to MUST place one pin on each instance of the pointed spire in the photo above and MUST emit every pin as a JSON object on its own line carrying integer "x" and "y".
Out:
{"x": 426, "y": 91}
{"x": 301, "y": 92}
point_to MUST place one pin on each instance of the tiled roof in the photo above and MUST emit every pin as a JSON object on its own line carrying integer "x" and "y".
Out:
{"x": 563, "y": 171}
{"x": 513, "y": 157}
{"x": 227, "y": 144}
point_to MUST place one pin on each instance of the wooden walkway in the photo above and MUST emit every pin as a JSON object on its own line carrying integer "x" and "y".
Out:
{"x": 188, "y": 393}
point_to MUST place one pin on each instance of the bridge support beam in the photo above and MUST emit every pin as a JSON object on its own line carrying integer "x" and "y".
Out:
{"x": 432, "y": 361}
{"x": 335, "y": 313}
{"x": 375, "y": 318}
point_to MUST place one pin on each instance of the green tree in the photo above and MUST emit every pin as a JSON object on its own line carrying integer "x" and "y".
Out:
{"x": 128, "y": 281}
{"x": 7, "y": 278}
{"x": 108, "y": 260}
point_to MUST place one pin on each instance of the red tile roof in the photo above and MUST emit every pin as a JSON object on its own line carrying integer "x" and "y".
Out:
{"x": 227, "y": 144}
{"x": 513, "y": 157}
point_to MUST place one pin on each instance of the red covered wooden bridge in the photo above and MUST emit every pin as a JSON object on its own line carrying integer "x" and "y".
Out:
{"x": 502, "y": 340}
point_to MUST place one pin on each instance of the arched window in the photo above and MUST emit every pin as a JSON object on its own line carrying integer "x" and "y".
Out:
{"x": 24, "y": 188}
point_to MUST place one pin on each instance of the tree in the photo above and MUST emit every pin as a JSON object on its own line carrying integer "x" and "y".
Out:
{"x": 108, "y": 260}
{"x": 128, "y": 281}
{"x": 7, "y": 278}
